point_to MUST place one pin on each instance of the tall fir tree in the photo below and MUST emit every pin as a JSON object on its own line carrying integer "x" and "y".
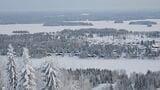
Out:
{"x": 27, "y": 80}
{"x": 51, "y": 78}
{"x": 11, "y": 68}
{"x": 123, "y": 83}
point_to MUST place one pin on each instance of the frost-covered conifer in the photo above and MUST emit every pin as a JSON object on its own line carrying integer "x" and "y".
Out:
{"x": 51, "y": 77}
{"x": 27, "y": 80}
{"x": 11, "y": 68}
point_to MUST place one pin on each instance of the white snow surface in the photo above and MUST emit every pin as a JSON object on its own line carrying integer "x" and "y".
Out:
{"x": 34, "y": 28}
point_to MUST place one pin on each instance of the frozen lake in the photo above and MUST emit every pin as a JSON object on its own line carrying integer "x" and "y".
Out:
{"x": 33, "y": 28}
{"x": 134, "y": 65}
{"x": 130, "y": 66}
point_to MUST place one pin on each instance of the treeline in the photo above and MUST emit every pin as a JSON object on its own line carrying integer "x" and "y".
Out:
{"x": 75, "y": 43}
{"x": 119, "y": 80}
{"x": 67, "y": 24}
{"x": 147, "y": 23}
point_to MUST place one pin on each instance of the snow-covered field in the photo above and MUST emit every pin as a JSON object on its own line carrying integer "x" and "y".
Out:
{"x": 33, "y": 28}
{"x": 74, "y": 62}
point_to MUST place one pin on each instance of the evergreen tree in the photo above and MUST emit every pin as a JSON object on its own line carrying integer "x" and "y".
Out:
{"x": 123, "y": 83}
{"x": 27, "y": 80}
{"x": 51, "y": 77}
{"x": 11, "y": 69}
{"x": 26, "y": 56}
{"x": 140, "y": 82}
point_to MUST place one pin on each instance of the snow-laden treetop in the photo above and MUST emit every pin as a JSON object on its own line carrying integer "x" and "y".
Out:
{"x": 26, "y": 55}
{"x": 10, "y": 52}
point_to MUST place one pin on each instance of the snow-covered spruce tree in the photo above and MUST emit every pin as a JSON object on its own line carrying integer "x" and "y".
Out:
{"x": 11, "y": 68}
{"x": 51, "y": 78}
{"x": 123, "y": 83}
{"x": 27, "y": 77}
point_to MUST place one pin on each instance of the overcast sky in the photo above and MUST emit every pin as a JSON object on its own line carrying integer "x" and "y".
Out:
{"x": 79, "y": 5}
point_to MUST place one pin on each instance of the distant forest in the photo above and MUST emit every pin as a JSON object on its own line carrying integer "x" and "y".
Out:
{"x": 76, "y": 43}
